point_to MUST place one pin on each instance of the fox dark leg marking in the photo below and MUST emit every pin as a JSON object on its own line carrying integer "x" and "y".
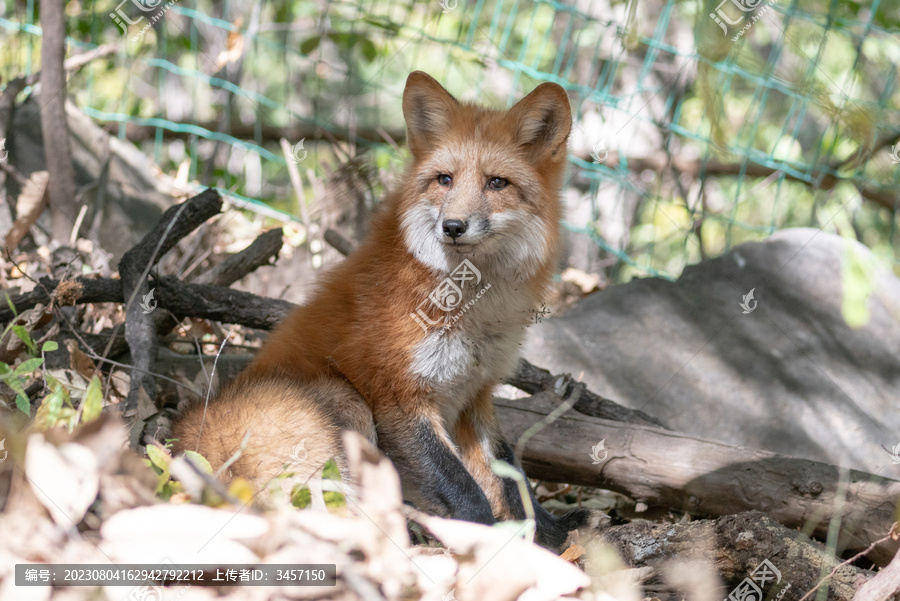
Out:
{"x": 552, "y": 530}
{"x": 478, "y": 436}
{"x": 433, "y": 477}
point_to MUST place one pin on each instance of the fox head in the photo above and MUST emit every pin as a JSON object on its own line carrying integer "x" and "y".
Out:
{"x": 484, "y": 183}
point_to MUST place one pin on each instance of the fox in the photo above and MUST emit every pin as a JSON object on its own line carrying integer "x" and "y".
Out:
{"x": 405, "y": 340}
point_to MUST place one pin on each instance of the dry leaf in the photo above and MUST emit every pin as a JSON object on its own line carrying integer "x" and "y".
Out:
{"x": 183, "y": 533}
{"x": 234, "y": 47}
{"x": 65, "y": 479}
{"x": 572, "y": 553}
{"x": 79, "y": 361}
{"x": 29, "y": 206}
{"x": 504, "y": 566}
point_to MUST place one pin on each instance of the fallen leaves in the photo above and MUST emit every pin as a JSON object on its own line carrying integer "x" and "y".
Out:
{"x": 97, "y": 496}
{"x": 64, "y": 478}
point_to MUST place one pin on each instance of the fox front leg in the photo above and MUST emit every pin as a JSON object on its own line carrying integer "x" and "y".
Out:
{"x": 478, "y": 435}
{"x": 433, "y": 477}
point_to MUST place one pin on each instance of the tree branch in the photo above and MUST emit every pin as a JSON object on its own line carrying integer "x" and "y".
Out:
{"x": 140, "y": 329}
{"x": 54, "y": 127}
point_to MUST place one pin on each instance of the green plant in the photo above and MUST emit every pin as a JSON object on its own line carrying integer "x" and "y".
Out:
{"x": 301, "y": 497}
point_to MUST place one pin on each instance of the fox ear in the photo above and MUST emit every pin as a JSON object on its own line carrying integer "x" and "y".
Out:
{"x": 543, "y": 120}
{"x": 427, "y": 108}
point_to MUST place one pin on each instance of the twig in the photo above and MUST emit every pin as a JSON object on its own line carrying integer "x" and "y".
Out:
{"x": 859, "y": 555}
{"x": 339, "y": 243}
{"x": 209, "y": 388}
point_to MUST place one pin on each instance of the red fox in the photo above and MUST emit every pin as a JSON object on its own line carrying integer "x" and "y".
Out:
{"x": 406, "y": 339}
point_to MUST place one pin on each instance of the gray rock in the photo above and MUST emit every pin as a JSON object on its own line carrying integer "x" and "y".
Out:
{"x": 790, "y": 377}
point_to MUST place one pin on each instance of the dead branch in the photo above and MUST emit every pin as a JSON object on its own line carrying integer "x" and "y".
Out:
{"x": 714, "y": 168}
{"x": 140, "y": 329}
{"x": 221, "y": 304}
{"x": 656, "y": 162}
{"x": 532, "y": 379}
{"x": 338, "y": 242}
{"x": 262, "y": 251}
{"x": 180, "y": 298}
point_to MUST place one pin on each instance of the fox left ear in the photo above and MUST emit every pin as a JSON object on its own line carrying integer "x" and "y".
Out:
{"x": 543, "y": 120}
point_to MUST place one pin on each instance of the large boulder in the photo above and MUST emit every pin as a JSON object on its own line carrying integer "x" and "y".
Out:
{"x": 790, "y": 376}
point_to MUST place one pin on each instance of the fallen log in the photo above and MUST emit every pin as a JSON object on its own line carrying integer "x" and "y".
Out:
{"x": 668, "y": 469}
{"x": 736, "y": 545}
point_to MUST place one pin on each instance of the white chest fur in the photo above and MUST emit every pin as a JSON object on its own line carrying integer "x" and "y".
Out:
{"x": 480, "y": 346}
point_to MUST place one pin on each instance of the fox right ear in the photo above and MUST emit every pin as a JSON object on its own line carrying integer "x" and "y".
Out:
{"x": 427, "y": 108}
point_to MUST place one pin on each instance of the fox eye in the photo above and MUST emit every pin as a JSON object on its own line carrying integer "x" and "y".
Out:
{"x": 444, "y": 179}
{"x": 497, "y": 183}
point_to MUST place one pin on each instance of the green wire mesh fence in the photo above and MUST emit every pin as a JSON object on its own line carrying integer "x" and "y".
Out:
{"x": 698, "y": 124}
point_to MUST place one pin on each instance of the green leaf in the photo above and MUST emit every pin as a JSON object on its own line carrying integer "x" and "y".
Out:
{"x": 157, "y": 457}
{"x": 57, "y": 386}
{"x": 368, "y": 49}
{"x": 54, "y": 404}
{"x": 25, "y": 337}
{"x": 857, "y": 275}
{"x": 16, "y": 383}
{"x": 23, "y": 404}
{"x": 92, "y": 405}
{"x": 344, "y": 41}
{"x": 26, "y": 367}
{"x": 301, "y": 497}
{"x": 200, "y": 461}
{"x": 330, "y": 470}
{"x": 310, "y": 44}
{"x": 49, "y": 346}
{"x": 12, "y": 307}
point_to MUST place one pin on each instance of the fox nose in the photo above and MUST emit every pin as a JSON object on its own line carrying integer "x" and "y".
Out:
{"x": 454, "y": 228}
